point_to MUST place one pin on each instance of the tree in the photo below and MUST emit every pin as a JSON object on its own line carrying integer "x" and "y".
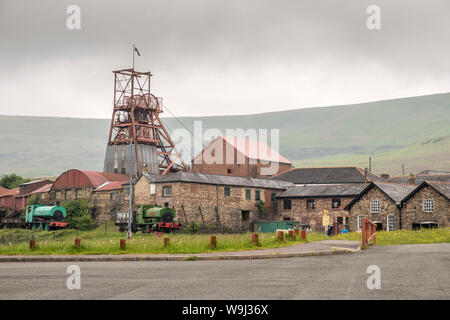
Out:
{"x": 78, "y": 215}
{"x": 11, "y": 181}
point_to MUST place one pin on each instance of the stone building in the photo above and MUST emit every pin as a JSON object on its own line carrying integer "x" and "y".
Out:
{"x": 381, "y": 203}
{"x": 427, "y": 206}
{"x": 211, "y": 199}
{"x": 240, "y": 157}
{"x": 309, "y": 204}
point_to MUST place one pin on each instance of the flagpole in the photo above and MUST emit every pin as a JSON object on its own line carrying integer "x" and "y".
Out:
{"x": 133, "y": 56}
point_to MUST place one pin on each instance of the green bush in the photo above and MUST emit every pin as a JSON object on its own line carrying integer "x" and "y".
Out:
{"x": 78, "y": 215}
{"x": 11, "y": 181}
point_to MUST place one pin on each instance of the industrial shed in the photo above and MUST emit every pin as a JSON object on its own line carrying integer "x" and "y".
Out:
{"x": 79, "y": 184}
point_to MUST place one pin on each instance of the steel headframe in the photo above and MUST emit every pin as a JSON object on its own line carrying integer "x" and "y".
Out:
{"x": 136, "y": 114}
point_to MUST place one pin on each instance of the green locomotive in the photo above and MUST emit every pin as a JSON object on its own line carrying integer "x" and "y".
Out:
{"x": 149, "y": 218}
{"x": 37, "y": 217}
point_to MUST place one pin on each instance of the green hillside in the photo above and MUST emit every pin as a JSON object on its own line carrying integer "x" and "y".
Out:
{"x": 412, "y": 131}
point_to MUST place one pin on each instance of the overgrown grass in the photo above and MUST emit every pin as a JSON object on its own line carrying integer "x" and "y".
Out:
{"x": 385, "y": 238}
{"x": 97, "y": 242}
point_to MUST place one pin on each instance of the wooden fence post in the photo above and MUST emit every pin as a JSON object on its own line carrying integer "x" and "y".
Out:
{"x": 255, "y": 239}
{"x": 280, "y": 235}
{"x": 213, "y": 242}
{"x": 123, "y": 244}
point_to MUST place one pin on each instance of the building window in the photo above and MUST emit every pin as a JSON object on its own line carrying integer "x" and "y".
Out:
{"x": 79, "y": 193}
{"x": 360, "y": 217}
{"x": 167, "y": 191}
{"x": 58, "y": 195}
{"x": 375, "y": 206}
{"x": 152, "y": 188}
{"x": 287, "y": 204}
{"x": 127, "y": 190}
{"x": 335, "y": 203}
{"x": 229, "y": 171}
{"x": 245, "y": 215}
{"x": 390, "y": 222}
{"x": 257, "y": 195}
{"x": 226, "y": 191}
{"x": 68, "y": 194}
{"x": 273, "y": 197}
{"x": 166, "y": 204}
{"x": 112, "y": 196}
{"x": 340, "y": 220}
{"x": 428, "y": 205}
{"x": 248, "y": 194}
{"x": 310, "y": 204}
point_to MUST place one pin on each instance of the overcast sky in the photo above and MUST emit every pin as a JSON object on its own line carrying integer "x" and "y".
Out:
{"x": 221, "y": 57}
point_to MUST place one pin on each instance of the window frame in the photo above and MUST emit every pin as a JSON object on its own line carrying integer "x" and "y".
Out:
{"x": 310, "y": 201}
{"x": 273, "y": 197}
{"x": 332, "y": 203}
{"x": 388, "y": 222}
{"x": 257, "y": 195}
{"x": 428, "y": 208}
{"x": 285, "y": 206}
{"x": 248, "y": 194}
{"x": 227, "y": 191}
{"x": 359, "y": 218}
{"x": 164, "y": 188}
{"x": 372, "y": 207}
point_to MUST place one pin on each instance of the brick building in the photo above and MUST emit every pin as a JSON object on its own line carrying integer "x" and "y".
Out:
{"x": 212, "y": 199}
{"x": 381, "y": 203}
{"x": 15, "y": 200}
{"x": 426, "y": 206}
{"x": 241, "y": 157}
{"x": 308, "y": 204}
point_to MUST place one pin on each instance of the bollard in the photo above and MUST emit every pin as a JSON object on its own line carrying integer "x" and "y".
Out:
{"x": 291, "y": 234}
{"x": 296, "y": 232}
{"x": 77, "y": 243}
{"x": 123, "y": 244}
{"x": 32, "y": 244}
{"x": 255, "y": 239}
{"x": 166, "y": 242}
{"x": 280, "y": 235}
{"x": 303, "y": 234}
{"x": 213, "y": 242}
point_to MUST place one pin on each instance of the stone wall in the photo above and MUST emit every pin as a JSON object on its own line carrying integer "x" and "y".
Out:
{"x": 362, "y": 206}
{"x": 313, "y": 217}
{"x": 208, "y": 204}
{"x": 412, "y": 210}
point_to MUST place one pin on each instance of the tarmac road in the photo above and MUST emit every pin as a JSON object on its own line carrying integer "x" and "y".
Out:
{"x": 407, "y": 272}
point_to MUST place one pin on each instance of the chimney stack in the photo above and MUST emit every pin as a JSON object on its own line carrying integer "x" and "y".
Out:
{"x": 412, "y": 179}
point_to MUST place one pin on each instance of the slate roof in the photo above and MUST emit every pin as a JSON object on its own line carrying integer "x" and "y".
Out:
{"x": 442, "y": 187}
{"x": 327, "y": 175}
{"x": 218, "y": 180}
{"x": 432, "y": 172}
{"x": 335, "y": 190}
{"x": 420, "y": 179}
{"x": 397, "y": 192}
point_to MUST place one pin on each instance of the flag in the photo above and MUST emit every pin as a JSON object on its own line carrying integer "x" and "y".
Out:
{"x": 135, "y": 49}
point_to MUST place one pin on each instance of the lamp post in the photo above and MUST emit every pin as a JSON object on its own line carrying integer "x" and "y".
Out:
{"x": 130, "y": 209}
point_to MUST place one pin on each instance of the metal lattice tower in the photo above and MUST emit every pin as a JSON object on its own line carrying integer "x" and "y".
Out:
{"x": 138, "y": 140}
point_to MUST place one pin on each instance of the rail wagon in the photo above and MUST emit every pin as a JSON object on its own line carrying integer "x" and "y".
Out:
{"x": 37, "y": 217}
{"x": 149, "y": 218}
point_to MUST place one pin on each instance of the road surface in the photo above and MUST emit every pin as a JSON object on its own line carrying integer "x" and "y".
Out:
{"x": 407, "y": 272}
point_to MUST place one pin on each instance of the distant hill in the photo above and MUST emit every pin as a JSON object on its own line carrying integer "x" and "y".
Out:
{"x": 412, "y": 131}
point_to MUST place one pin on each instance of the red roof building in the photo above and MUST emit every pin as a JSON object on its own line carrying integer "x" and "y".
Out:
{"x": 242, "y": 157}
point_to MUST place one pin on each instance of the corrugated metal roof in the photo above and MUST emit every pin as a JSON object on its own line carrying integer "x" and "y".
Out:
{"x": 9, "y": 192}
{"x": 218, "y": 180}
{"x": 44, "y": 188}
{"x": 75, "y": 178}
{"x": 110, "y": 185}
{"x": 421, "y": 178}
{"x": 334, "y": 190}
{"x": 252, "y": 149}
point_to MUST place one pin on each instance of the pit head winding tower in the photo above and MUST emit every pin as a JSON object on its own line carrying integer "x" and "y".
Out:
{"x": 138, "y": 141}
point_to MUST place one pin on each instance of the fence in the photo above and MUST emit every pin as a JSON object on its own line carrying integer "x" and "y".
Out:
{"x": 368, "y": 233}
